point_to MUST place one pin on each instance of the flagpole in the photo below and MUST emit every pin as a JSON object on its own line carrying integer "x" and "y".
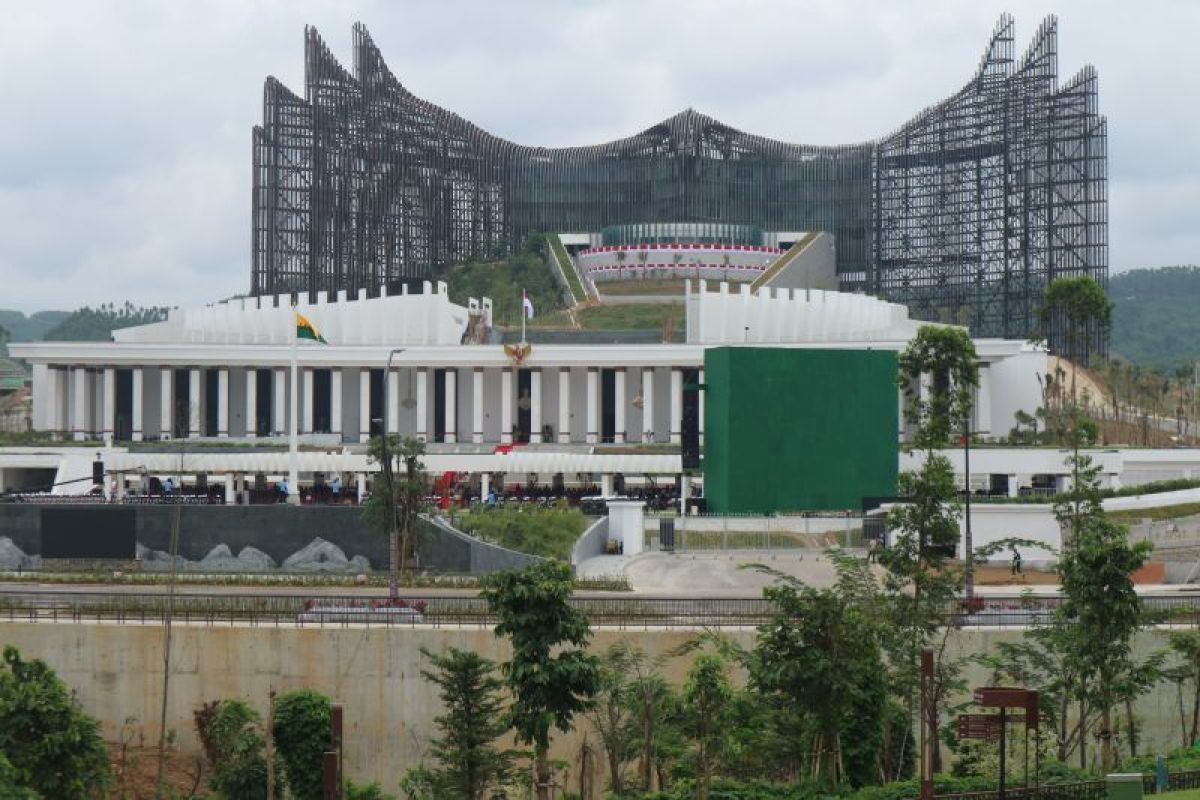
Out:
{"x": 293, "y": 497}
{"x": 523, "y": 315}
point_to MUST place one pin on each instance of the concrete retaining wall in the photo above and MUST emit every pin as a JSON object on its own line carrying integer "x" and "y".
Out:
{"x": 592, "y": 542}
{"x": 375, "y": 672}
{"x": 446, "y": 544}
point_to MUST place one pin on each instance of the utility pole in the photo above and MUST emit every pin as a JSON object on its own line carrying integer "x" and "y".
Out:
{"x": 168, "y": 617}
{"x": 968, "y": 541}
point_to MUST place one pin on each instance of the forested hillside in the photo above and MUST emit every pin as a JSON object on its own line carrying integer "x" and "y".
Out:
{"x": 30, "y": 328}
{"x": 1156, "y": 316}
{"x": 97, "y": 324}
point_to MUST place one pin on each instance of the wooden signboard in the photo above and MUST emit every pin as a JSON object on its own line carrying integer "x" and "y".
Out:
{"x": 979, "y": 726}
{"x": 1001, "y": 697}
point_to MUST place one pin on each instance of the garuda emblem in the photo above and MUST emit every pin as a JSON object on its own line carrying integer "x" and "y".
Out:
{"x": 517, "y": 353}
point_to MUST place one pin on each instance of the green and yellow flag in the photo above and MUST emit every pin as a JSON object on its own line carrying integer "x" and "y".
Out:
{"x": 306, "y": 330}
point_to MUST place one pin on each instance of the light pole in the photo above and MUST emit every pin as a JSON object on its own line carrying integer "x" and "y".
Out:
{"x": 968, "y": 543}
{"x": 393, "y": 545}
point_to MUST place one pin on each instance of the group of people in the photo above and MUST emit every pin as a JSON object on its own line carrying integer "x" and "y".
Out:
{"x": 330, "y": 493}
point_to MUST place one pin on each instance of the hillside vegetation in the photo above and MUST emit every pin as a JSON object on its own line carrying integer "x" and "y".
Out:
{"x": 97, "y": 324}
{"x": 30, "y": 328}
{"x": 503, "y": 279}
{"x": 640, "y": 316}
{"x": 1156, "y": 316}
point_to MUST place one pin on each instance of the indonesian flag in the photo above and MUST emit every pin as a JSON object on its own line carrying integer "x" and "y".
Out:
{"x": 526, "y": 304}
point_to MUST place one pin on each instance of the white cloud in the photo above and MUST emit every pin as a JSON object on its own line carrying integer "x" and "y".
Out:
{"x": 125, "y": 125}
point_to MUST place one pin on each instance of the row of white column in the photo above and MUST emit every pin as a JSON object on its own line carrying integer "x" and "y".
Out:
{"x": 536, "y": 405}
{"x": 80, "y": 409}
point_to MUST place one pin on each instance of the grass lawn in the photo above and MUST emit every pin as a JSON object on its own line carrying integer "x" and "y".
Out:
{"x": 632, "y": 317}
{"x": 667, "y": 287}
{"x": 640, "y": 316}
{"x": 1183, "y": 794}
{"x": 1160, "y": 513}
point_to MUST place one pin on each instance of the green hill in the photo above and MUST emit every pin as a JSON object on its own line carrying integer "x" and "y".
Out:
{"x": 1156, "y": 316}
{"x": 30, "y": 328}
{"x": 97, "y": 324}
{"x": 503, "y": 279}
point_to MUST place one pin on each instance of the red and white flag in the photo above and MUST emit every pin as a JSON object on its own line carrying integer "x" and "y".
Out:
{"x": 526, "y": 304}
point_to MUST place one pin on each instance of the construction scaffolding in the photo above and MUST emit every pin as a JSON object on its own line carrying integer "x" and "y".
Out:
{"x": 965, "y": 213}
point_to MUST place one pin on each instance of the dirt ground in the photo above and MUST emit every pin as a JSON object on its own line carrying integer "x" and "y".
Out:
{"x": 989, "y": 575}
{"x": 135, "y": 771}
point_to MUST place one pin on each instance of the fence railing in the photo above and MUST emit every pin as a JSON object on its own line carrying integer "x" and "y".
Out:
{"x": 54, "y": 605}
{"x": 1083, "y": 790}
{"x": 1079, "y": 790}
{"x": 705, "y": 532}
{"x": 417, "y": 608}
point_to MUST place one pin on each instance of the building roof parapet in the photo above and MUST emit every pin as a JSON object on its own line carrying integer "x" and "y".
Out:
{"x": 424, "y": 318}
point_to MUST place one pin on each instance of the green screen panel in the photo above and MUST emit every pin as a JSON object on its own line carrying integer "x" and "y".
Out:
{"x": 788, "y": 429}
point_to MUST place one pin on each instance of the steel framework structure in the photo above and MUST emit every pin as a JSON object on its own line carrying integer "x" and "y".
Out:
{"x": 964, "y": 213}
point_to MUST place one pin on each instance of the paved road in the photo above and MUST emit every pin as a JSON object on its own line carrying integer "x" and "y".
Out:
{"x": 711, "y": 574}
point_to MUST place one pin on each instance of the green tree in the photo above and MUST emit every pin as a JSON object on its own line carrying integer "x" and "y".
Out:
{"x": 1186, "y": 647}
{"x": 938, "y": 376}
{"x": 939, "y": 373}
{"x": 11, "y": 787}
{"x": 52, "y": 746}
{"x": 819, "y": 656}
{"x": 301, "y": 727}
{"x": 655, "y": 709}
{"x": 234, "y": 742}
{"x": 1038, "y": 662}
{"x": 472, "y": 720}
{"x": 1081, "y": 304}
{"x": 397, "y": 498}
{"x": 97, "y": 324}
{"x": 658, "y": 738}
{"x": 550, "y": 678}
{"x": 707, "y": 696}
{"x": 1101, "y": 613}
{"x": 611, "y": 714}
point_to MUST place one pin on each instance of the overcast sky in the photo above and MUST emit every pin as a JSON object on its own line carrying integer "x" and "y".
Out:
{"x": 125, "y": 125}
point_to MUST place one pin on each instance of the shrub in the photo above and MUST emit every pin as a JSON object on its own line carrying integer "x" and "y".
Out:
{"x": 549, "y": 532}
{"x": 302, "y": 733}
{"x": 369, "y": 791}
{"x": 52, "y": 746}
{"x": 234, "y": 743}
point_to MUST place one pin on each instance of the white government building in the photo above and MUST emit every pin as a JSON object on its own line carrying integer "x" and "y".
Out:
{"x": 222, "y": 372}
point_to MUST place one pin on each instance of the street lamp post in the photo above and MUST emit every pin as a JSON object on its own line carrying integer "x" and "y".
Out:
{"x": 968, "y": 542}
{"x": 393, "y": 545}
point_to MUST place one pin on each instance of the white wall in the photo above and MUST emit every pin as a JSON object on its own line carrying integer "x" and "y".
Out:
{"x": 421, "y": 318}
{"x": 1014, "y": 386}
{"x": 732, "y": 315}
{"x": 993, "y": 522}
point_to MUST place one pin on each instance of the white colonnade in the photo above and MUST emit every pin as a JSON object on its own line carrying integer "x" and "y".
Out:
{"x": 558, "y": 404}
